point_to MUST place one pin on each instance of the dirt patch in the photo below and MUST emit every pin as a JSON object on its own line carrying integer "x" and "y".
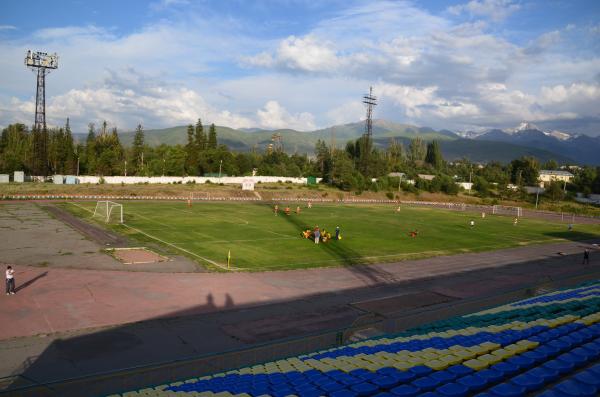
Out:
{"x": 134, "y": 256}
{"x": 93, "y": 232}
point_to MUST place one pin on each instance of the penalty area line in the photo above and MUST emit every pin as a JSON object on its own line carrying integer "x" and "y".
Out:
{"x": 167, "y": 243}
{"x": 180, "y": 249}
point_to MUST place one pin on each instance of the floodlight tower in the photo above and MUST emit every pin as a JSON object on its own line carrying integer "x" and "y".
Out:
{"x": 42, "y": 63}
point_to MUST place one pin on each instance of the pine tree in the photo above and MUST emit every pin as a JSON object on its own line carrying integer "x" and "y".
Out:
{"x": 138, "y": 150}
{"x": 90, "y": 149}
{"x": 212, "y": 137}
{"x": 69, "y": 159}
{"x": 191, "y": 152}
{"x": 434, "y": 155}
{"x": 200, "y": 136}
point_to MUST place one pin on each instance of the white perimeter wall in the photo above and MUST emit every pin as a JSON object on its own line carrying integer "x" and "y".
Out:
{"x": 198, "y": 179}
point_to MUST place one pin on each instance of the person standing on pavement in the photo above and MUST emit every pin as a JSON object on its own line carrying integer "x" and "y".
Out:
{"x": 10, "y": 281}
{"x": 586, "y": 257}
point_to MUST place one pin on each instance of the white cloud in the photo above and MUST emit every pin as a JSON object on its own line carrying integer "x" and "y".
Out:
{"x": 274, "y": 116}
{"x": 424, "y": 103}
{"x": 496, "y": 10}
{"x": 125, "y": 98}
{"x": 7, "y": 27}
{"x": 349, "y": 112}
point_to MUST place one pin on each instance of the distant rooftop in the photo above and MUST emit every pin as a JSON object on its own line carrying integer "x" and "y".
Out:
{"x": 556, "y": 172}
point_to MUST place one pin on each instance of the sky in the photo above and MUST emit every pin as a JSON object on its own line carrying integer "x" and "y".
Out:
{"x": 303, "y": 64}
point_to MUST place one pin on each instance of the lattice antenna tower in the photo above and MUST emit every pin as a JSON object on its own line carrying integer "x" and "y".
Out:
{"x": 371, "y": 101}
{"x": 366, "y": 142}
{"x": 41, "y": 63}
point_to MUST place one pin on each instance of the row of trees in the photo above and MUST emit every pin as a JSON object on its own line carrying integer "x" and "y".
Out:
{"x": 351, "y": 168}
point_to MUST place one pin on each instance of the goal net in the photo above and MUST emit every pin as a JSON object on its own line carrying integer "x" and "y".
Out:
{"x": 108, "y": 210}
{"x": 507, "y": 210}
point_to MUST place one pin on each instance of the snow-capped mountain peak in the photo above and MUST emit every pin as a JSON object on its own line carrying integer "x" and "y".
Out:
{"x": 524, "y": 126}
{"x": 562, "y": 136}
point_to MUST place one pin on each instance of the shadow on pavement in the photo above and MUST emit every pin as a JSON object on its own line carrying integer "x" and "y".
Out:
{"x": 30, "y": 281}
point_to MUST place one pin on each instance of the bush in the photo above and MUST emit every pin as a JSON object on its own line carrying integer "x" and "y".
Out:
{"x": 390, "y": 195}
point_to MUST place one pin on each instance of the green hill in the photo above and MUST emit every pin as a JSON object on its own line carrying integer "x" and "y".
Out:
{"x": 293, "y": 141}
{"x": 453, "y": 147}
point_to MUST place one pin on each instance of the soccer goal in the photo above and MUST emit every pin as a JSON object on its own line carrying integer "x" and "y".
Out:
{"x": 507, "y": 210}
{"x": 106, "y": 209}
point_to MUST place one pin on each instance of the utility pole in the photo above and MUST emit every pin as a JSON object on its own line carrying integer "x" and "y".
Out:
{"x": 220, "y": 166}
{"x": 125, "y": 167}
{"x": 164, "y": 162}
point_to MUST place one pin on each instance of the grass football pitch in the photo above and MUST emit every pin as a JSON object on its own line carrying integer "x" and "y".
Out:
{"x": 258, "y": 240}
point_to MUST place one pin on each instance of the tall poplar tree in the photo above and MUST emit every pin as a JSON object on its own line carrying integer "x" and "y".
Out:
{"x": 434, "y": 155}
{"x": 200, "y": 136}
{"x": 138, "y": 150}
{"x": 212, "y": 137}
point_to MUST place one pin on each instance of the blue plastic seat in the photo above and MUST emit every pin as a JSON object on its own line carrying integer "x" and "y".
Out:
{"x": 460, "y": 370}
{"x": 508, "y": 369}
{"x": 590, "y": 378}
{"x": 572, "y": 358}
{"x": 521, "y": 362}
{"x": 443, "y": 376}
{"x": 575, "y": 389}
{"x": 406, "y": 391}
{"x": 491, "y": 376}
{"x": 453, "y": 390}
{"x": 508, "y": 390}
{"x": 473, "y": 382}
{"x": 528, "y": 381}
{"x": 426, "y": 383}
{"x": 364, "y": 389}
{"x": 385, "y": 382}
{"x": 405, "y": 376}
{"x": 559, "y": 365}
{"x": 344, "y": 393}
{"x": 331, "y": 386}
{"x": 421, "y": 370}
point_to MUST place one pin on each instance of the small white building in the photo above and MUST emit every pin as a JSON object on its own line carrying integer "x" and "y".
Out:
{"x": 248, "y": 184}
{"x": 548, "y": 176}
{"x": 426, "y": 177}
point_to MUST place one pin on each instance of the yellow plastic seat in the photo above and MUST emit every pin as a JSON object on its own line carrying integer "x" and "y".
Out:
{"x": 437, "y": 365}
{"x": 475, "y": 364}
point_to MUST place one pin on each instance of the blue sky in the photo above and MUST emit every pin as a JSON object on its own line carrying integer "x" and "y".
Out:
{"x": 460, "y": 65}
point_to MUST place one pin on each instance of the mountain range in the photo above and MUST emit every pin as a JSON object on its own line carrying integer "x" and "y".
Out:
{"x": 482, "y": 146}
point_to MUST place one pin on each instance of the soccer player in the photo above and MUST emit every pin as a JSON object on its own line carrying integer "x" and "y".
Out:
{"x": 276, "y": 210}
{"x": 472, "y": 223}
{"x": 298, "y": 210}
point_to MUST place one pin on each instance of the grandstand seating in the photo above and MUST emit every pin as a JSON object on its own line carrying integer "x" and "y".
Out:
{"x": 545, "y": 346}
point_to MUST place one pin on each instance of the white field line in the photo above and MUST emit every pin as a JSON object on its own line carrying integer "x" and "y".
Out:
{"x": 245, "y": 222}
{"x": 180, "y": 249}
{"x": 170, "y": 244}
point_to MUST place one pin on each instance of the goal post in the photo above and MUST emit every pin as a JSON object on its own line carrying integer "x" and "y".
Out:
{"x": 106, "y": 209}
{"x": 507, "y": 210}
